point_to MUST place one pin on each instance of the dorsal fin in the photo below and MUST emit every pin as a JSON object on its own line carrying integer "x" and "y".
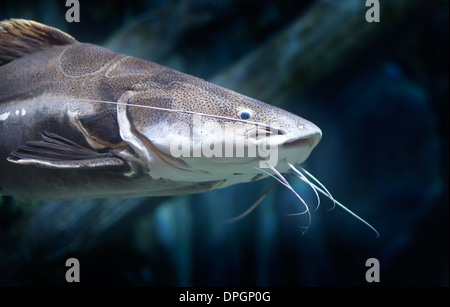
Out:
{"x": 19, "y": 37}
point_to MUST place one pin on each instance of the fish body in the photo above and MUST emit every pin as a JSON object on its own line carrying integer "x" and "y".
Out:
{"x": 80, "y": 121}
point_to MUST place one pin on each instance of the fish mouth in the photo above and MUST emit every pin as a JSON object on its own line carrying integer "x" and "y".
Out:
{"x": 263, "y": 131}
{"x": 278, "y": 136}
{"x": 297, "y": 150}
{"x": 310, "y": 141}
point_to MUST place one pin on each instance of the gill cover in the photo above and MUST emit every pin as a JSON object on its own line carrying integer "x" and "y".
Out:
{"x": 149, "y": 158}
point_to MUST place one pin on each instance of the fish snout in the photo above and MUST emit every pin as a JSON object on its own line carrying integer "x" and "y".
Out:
{"x": 306, "y": 134}
{"x": 300, "y": 143}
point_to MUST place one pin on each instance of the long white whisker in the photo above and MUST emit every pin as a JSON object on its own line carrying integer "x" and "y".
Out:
{"x": 252, "y": 207}
{"x": 175, "y": 111}
{"x": 280, "y": 178}
{"x": 358, "y": 217}
{"x": 328, "y": 194}
{"x": 309, "y": 183}
{"x": 286, "y": 184}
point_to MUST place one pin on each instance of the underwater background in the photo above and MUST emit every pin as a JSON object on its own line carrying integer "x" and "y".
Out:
{"x": 380, "y": 94}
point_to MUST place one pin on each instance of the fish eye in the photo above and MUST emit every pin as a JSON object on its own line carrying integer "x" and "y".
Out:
{"x": 244, "y": 114}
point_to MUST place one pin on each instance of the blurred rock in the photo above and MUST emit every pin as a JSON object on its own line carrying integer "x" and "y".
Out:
{"x": 320, "y": 42}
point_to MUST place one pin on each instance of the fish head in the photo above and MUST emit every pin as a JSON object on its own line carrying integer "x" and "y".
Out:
{"x": 185, "y": 128}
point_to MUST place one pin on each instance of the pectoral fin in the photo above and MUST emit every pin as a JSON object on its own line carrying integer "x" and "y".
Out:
{"x": 57, "y": 152}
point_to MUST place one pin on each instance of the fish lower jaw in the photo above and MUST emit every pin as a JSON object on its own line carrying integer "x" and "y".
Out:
{"x": 310, "y": 140}
{"x": 297, "y": 143}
